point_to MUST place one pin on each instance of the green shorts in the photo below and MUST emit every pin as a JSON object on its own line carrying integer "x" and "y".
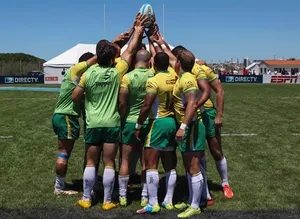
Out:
{"x": 194, "y": 138}
{"x": 162, "y": 133}
{"x": 128, "y": 136}
{"x": 66, "y": 126}
{"x": 209, "y": 121}
{"x": 97, "y": 136}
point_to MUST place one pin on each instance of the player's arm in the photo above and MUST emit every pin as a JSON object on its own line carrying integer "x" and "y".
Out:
{"x": 78, "y": 69}
{"x": 123, "y": 96}
{"x": 136, "y": 39}
{"x": 79, "y": 90}
{"x": 123, "y": 38}
{"x": 217, "y": 87}
{"x": 166, "y": 49}
{"x": 205, "y": 88}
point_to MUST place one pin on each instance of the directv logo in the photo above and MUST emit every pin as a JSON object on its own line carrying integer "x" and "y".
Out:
{"x": 229, "y": 79}
{"x": 9, "y": 80}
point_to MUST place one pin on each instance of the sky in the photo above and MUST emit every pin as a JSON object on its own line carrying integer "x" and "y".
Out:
{"x": 214, "y": 30}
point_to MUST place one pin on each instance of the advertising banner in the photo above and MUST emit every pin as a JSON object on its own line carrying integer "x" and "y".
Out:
{"x": 21, "y": 80}
{"x": 281, "y": 79}
{"x": 241, "y": 78}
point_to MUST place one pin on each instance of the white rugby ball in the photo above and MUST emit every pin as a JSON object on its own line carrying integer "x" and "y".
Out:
{"x": 147, "y": 10}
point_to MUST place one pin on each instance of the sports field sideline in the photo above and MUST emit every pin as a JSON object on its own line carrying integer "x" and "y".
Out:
{"x": 261, "y": 138}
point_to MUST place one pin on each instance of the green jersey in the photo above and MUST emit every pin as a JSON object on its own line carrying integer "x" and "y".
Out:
{"x": 135, "y": 82}
{"x": 101, "y": 85}
{"x": 65, "y": 104}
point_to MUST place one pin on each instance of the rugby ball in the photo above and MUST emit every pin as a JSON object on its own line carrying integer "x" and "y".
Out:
{"x": 147, "y": 10}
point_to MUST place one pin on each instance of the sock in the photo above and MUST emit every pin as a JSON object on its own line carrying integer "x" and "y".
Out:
{"x": 223, "y": 171}
{"x": 60, "y": 182}
{"x": 171, "y": 178}
{"x": 152, "y": 179}
{"x": 108, "y": 183}
{"x": 197, "y": 185}
{"x": 190, "y": 187}
{"x": 144, "y": 192}
{"x": 205, "y": 192}
{"x": 123, "y": 183}
{"x": 88, "y": 182}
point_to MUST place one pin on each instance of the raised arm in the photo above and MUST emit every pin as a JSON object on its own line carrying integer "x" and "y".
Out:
{"x": 123, "y": 38}
{"x": 136, "y": 39}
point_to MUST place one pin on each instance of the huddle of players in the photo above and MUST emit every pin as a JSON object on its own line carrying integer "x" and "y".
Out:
{"x": 151, "y": 104}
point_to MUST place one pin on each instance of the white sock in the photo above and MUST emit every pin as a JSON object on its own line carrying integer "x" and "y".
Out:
{"x": 60, "y": 182}
{"x": 197, "y": 185}
{"x": 108, "y": 183}
{"x": 152, "y": 179}
{"x": 223, "y": 171}
{"x": 171, "y": 178}
{"x": 123, "y": 184}
{"x": 144, "y": 192}
{"x": 205, "y": 192}
{"x": 88, "y": 182}
{"x": 188, "y": 176}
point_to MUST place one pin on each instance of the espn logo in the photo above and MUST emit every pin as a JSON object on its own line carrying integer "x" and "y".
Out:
{"x": 284, "y": 79}
{"x": 51, "y": 78}
{"x": 9, "y": 80}
{"x": 229, "y": 79}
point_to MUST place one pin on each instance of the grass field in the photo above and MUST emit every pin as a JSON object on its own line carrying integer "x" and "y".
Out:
{"x": 263, "y": 168}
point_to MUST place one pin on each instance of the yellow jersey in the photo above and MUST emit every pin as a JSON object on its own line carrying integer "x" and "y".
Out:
{"x": 170, "y": 69}
{"x": 162, "y": 84}
{"x": 186, "y": 83}
{"x": 203, "y": 72}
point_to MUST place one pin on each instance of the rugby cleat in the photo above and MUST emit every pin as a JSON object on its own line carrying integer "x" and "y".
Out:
{"x": 108, "y": 206}
{"x": 191, "y": 211}
{"x": 144, "y": 202}
{"x": 227, "y": 191}
{"x": 149, "y": 209}
{"x": 85, "y": 204}
{"x": 64, "y": 192}
{"x": 169, "y": 207}
{"x": 123, "y": 202}
{"x": 181, "y": 206}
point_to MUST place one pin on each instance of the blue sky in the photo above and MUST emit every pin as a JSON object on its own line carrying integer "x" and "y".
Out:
{"x": 213, "y": 30}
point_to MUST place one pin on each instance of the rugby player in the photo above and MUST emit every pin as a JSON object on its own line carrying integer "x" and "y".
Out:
{"x": 131, "y": 99}
{"x": 191, "y": 134}
{"x": 101, "y": 87}
{"x": 65, "y": 120}
{"x": 213, "y": 122}
{"x": 160, "y": 141}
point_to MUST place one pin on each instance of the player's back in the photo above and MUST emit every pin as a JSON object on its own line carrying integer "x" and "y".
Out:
{"x": 101, "y": 102}
{"x": 136, "y": 83}
{"x": 162, "y": 84}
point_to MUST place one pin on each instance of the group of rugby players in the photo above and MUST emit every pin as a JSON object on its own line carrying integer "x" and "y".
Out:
{"x": 162, "y": 103}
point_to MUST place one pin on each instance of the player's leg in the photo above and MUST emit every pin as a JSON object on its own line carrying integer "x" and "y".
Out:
{"x": 67, "y": 129}
{"x": 92, "y": 159}
{"x": 169, "y": 161}
{"x": 144, "y": 195}
{"x": 127, "y": 151}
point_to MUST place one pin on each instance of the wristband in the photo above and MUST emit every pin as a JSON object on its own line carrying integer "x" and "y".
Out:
{"x": 163, "y": 46}
{"x": 155, "y": 45}
{"x": 183, "y": 126}
{"x": 138, "y": 126}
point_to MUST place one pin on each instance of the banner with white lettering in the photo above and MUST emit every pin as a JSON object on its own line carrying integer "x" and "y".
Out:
{"x": 281, "y": 79}
{"x": 241, "y": 78}
{"x": 21, "y": 80}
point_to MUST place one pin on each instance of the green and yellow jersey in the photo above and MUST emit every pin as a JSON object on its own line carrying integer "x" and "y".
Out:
{"x": 101, "y": 85}
{"x": 162, "y": 84}
{"x": 203, "y": 72}
{"x": 65, "y": 104}
{"x": 185, "y": 83}
{"x": 135, "y": 82}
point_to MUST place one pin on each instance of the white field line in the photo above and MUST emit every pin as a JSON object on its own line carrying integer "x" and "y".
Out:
{"x": 6, "y": 137}
{"x": 248, "y": 134}
{"x": 296, "y": 134}
{"x": 30, "y": 98}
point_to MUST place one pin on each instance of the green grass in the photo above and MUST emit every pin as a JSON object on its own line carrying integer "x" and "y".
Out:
{"x": 263, "y": 169}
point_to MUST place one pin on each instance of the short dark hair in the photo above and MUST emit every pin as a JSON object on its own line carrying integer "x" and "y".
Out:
{"x": 86, "y": 56}
{"x": 105, "y": 52}
{"x": 186, "y": 59}
{"x": 161, "y": 61}
{"x": 178, "y": 49}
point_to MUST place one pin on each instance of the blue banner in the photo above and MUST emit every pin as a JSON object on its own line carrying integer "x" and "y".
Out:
{"x": 21, "y": 80}
{"x": 241, "y": 78}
